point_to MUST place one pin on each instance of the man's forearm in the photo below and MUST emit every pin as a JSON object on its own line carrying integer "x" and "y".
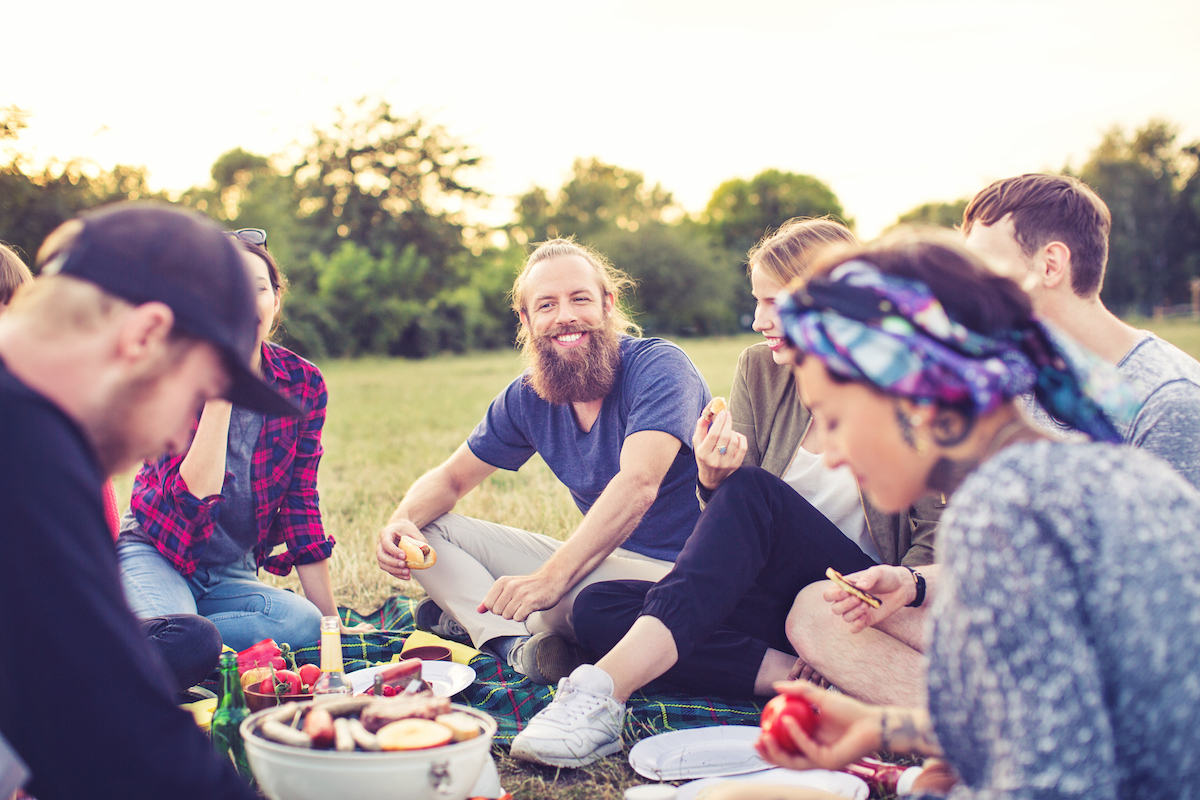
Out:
{"x": 607, "y": 525}
{"x": 433, "y": 495}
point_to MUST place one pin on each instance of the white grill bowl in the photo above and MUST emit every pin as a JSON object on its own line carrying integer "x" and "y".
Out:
{"x": 439, "y": 773}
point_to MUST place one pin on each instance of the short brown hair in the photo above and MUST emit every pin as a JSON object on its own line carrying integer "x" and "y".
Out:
{"x": 1051, "y": 208}
{"x": 13, "y": 273}
{"x": 789, "y": 252}
{"x": 612, "y": 280}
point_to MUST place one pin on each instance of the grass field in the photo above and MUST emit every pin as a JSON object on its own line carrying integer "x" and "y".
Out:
{"x": 391, "y": 420}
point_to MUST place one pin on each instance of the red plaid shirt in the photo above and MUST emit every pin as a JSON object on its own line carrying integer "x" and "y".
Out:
{"x": 283, "y": 481}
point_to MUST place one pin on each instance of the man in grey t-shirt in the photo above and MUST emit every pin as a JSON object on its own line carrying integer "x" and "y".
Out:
{"x": 1050, "y": 234}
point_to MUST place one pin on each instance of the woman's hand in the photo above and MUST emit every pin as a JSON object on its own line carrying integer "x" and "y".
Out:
{"x": 713, "y": 465}
{"x": 846, "y": 731}
{"x": 893, "y": 585}
{"x": 362, "y": 627}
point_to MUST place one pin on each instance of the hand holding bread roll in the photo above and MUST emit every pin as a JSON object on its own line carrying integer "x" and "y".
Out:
{"x": 716, "y": 406}
{"x": 719, "y": 449}
{"x": 418, "y": 554}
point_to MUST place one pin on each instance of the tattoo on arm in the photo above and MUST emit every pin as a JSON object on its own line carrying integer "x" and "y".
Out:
{"x": 908, "y": 731}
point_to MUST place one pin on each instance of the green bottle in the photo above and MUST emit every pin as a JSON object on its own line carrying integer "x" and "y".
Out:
{"x": 227, "y": 719}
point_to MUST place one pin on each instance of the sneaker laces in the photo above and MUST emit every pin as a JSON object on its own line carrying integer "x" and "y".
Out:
{"x": 571, "y": 705}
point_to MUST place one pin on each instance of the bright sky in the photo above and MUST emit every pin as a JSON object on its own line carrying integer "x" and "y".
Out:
{"x": 892, "y": 104}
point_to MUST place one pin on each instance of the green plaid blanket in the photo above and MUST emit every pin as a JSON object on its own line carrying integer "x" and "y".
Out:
{"x": 512, "y": 698}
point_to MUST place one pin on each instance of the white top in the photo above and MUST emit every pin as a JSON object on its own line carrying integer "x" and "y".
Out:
{"x": 834, "y": 493}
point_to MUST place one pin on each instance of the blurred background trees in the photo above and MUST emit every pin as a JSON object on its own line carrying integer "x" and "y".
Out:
{"x": 373, "y": 223}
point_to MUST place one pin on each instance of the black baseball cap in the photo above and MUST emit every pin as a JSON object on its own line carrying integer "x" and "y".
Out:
{"x": 145, "y": 252}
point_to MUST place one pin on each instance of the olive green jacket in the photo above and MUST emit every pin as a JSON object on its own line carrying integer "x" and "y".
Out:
{"x": 766, "y": 409}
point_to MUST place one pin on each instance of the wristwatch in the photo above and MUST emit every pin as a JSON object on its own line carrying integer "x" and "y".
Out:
{"x": 919, "y": 580}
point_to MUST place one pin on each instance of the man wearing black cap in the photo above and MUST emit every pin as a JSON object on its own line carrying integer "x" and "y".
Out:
{"x": 141, "y": 314}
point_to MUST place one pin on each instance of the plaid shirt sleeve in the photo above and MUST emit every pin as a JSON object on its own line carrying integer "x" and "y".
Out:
{"x": 179, "y": 522}
{"x": 284, "y": 468}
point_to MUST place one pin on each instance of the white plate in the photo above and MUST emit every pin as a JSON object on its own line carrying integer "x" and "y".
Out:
{"x": 446, "y": 677}
{"x": 698, "y": 753}
{"x": 839, "y": 783}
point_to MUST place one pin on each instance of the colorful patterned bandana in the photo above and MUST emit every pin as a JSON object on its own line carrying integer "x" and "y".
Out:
{"x": 893, "y": 333}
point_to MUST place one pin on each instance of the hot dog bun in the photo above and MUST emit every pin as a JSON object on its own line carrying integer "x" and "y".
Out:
{"x": 715, "y": 407}
{"x": 418, "y": 554}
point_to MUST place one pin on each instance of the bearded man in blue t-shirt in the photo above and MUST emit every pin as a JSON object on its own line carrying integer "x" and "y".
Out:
{"x": 612, "y": 416}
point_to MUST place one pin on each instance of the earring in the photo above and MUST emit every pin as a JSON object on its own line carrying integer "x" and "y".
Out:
{"x": 915, "y": 420}
{"x": 922, "y": 446}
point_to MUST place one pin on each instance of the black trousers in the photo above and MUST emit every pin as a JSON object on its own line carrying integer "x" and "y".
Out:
{"x": 726, "y": 601}
{"x": 189, "y": 645}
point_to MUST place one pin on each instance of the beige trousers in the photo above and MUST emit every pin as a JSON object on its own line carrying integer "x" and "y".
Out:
{"x": 472, "y": 554}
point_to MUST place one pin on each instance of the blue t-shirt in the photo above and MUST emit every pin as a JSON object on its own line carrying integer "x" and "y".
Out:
{"x": 658, "y": 388}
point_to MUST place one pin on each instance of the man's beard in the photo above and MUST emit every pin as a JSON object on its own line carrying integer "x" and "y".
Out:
{"x": 577, "y": 375}
{"x": 116, "y": 428}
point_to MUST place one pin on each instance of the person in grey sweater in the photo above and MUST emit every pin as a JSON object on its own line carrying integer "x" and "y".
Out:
{"x": 1049, "y": 233}
{"x": 1062, "y": 647}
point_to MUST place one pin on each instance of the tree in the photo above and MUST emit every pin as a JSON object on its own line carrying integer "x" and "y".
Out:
{"x": 741, "y": 211}
{"x": 35, "y": 201}
{"x": 684, "y": 284}
{"x": 942, "y": 215}
{"x": 379, "y": 180}
{"x": 599, "y": 197}
{"x": 248, "y": 191}
{"x": 1140, "y": 177}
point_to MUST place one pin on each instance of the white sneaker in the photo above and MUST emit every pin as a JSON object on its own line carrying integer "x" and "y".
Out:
{"x": 583, "y": 723}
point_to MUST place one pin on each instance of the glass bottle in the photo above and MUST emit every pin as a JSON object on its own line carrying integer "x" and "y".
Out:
{"x": 333, "y": 678}
{"x": 227, "y": 719}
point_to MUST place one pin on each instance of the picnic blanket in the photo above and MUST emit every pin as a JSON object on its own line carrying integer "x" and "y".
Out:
{"x": 512, "y": 698}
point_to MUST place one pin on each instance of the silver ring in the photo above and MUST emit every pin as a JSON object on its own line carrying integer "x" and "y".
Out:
{"x": 722, "y": 449}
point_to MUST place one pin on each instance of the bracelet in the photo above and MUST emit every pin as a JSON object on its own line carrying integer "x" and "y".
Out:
{"x": 919, "y": 580}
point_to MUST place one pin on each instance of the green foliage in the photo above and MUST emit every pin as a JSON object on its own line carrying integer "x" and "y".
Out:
{"x": 248, "y": 191}
{"x": 35, "y": 201}
{"x": 378, "y": 180}
{"x": 942, "y": 215}
{"x": 685, "y": 285}
{"x": 741, "y": 211}
{"x": 599, "y": 197}
{"x": 1142, "y": 178}
{"x": 353, "y": 303}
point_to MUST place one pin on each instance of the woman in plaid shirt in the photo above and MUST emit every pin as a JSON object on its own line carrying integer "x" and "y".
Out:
{"x": 201, "y": 523}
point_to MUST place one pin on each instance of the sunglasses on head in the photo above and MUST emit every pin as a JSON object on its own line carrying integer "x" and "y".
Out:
{"x": 252, "y": 235}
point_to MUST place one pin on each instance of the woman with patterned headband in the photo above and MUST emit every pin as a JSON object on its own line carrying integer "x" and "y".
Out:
{"x": 1063, "y": 647}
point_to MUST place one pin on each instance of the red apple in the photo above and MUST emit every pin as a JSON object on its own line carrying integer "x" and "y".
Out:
{"x": 799, "y": 709}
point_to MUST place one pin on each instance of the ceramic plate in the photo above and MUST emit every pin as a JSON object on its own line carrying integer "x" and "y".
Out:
{"x": 698, "y": 753}
{"x": 446, "y": 677}
{"x": 839, "y": 783}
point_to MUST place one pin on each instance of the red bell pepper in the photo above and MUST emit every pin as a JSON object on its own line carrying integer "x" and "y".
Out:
{"x": 262, "y": 654}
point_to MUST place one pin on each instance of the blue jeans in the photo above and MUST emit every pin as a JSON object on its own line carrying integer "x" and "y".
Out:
{"x": 244, "y": 609}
